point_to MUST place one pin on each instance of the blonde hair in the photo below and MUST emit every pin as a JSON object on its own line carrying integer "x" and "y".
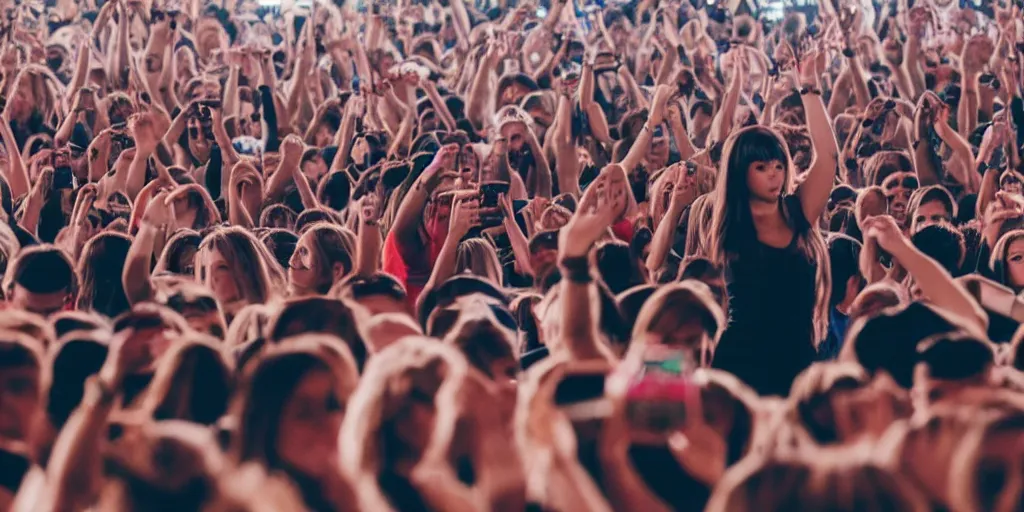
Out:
{"x": 256, "y": 274}
{"x": 478, "y": 257}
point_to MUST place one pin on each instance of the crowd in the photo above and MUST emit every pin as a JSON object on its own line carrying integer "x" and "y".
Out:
{"x": 437, "y": 255}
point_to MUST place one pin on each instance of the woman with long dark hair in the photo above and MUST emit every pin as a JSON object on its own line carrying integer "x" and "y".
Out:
{"x": 776, "y": 262}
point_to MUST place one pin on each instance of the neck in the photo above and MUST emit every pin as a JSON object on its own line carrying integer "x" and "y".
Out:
{"x": 763, "y": 210}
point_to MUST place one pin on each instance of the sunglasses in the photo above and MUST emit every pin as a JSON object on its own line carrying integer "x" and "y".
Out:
{"x": 909, "y": 182}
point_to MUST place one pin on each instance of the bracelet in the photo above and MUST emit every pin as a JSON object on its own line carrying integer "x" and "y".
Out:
{"x": 849, "y": 53}
{"x": 576, "y": 269}
{"x": 804, "y": 91}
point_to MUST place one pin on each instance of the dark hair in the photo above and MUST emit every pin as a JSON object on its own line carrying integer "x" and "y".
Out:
{"x": 335, "y": 190}
{"x": 311, "y": 216}
{"x": 281, "y": 243}
{"x": 182, "y": 241}
{"x": 358, "y": 287}
{"x": 617, "y": 267}
{"x": 74, "y": 361}
{"x": 193, "y": 382}
{"x": 509, "y": 80}
{"x": 955, "y": 356}
{"x": 100, "y": 267}
{"x": 889, "y": 340}
{"x": 452, "y": 289}
{"x": 630, "y": 301}
{"x": 321, "y": 315}
{"x": 42, "y": 269}
{"x": 278, "y": 216}
{"x": 844, "y": 255}
{"x": 943, "y": 244}
{"x": 748, "y": 146}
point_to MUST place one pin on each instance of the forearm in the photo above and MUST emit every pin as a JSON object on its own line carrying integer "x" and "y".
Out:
{"x": 961, "y": 152}
{"x": 309, "y": 200}
{"x": 444, "y": 267}
{"x": 912, "y": 62}
{"x": 136, "y": 178}
{"x": 481, "y": 95}
{"x": 598, "y": 124}
{"x": 368, "y": 252}
{"x": 664, "y": 235}
{"x": 231, "y": 103}
{"x": 967, "y": 110}
{"x": 540, "y": 184}
{"x": 640, "y": 147}
{"x": 440, "y": 106}
{"x": 17, "y": 175}
{"x": 520, "y": 245}
{"x": 136, "y": 275}
{"x": 817, "y": 186}
{"x": 938, "y": 285}
{"x": 870, "y": 268}
{"x": 587, "y": 80}
{"x": 344, "y": 143}
{"x": 721, "y": 126}
{"x": 859, "y": 82}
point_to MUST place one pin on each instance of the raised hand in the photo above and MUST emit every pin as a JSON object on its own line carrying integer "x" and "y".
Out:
{"x": 159, "y": 211}
{"x": 465, "y": 216}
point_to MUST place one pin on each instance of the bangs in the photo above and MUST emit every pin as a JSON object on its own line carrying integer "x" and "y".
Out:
{"x": 757, "y": 144}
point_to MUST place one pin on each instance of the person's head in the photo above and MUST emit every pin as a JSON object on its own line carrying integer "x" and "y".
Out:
{"x": 931, "y": 205}
{"x": 441, "y": 307}
{"x": 320, "y": 315}
{"x": 291, "y": 404}
{"x": 161, "y": 465}
{"x": 324, "y": 255}
{"x": 179, "y": 254}
{"x": 950, "y": 363}
{"x": 391, "y": 417}
{"x": 387, "y": 328}
{"x": 1007, "y": 260}
{"x": 898, "y": 188}
{"x": 487, "y": 343}
{"x": 238, "y": 269}
{"x": 512, "y": 88}
{"x": 21, "y": 384}
{"x": 478, "y": 257}
{"x": 681, "y": 315}
{"x": 41, "y": 280}
{"x": 192, "y": 382}
{"x": 986, "y": 471}
{"x": 513, "y": 123}
{"x": 756, "y": 167}
{"x": 281, "y": 244}
{"x": 76, "y": 356}
{"x": 815, "y": 483}
{"x": 943, "y": 244}
{"x": 99, "y": 267}
{"x": 617, "y": 268}
{"x": 816, "y": 395}
{"x": 379, "y": 293}
{"x": 541, "y": 108}
{"x": 313, "y": 165}
{"x": 197, "y": 305}
{"x": 543, "y": 252}
{"x": 278, "y": 216}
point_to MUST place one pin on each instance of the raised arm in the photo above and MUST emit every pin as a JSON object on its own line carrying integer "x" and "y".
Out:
{"x": 935, "y": 282}
{"x": 815, "y": 189}
{"x": 158, "y": 217}
{"x": 369, "y": 236}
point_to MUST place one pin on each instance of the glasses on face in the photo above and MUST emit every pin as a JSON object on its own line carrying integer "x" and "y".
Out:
{"x": 893, "y": 183}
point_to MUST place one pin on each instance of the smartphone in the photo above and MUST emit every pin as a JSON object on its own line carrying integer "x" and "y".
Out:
{"x": 63, "y": 178}
{"x": 489, "y": 197}
{"x": 661, "y": 390}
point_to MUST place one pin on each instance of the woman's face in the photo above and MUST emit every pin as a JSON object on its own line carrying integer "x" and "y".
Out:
{"x": 932, "y": 212}
{"x": 198, "y": 144}
{"x": 221, "y": 280}
{"x": 303, "y": 267}
{"x": 1015, "y": 264}
{"x": 898, "y": 189}
{"x": 307, "y": 436}
{"x": 658, "y": 154}
{"x": 765, "y": 180}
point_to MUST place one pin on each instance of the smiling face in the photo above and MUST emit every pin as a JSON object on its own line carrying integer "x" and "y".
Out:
{"x": 304, "y": 267}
